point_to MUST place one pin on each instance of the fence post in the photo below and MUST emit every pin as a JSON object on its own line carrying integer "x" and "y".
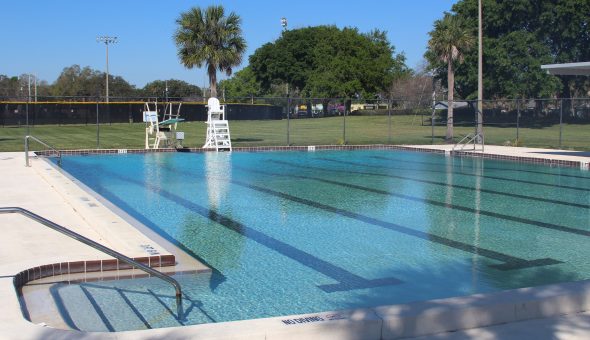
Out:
{"x": 389, "y": 123}
{"x": 560, "y": 120}
{"x": 288, "y": 119}
{"x": 344, "y": 124}
{"x": 476, "y": 120}
{"x": 432, "y": 124}
{"x": 517, "y": 122}
{"x": 27, "y": 118}
{"x": 97, "y": 127}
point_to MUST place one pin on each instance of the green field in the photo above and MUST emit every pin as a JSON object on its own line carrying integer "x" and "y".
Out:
{"x": 316, "y": 131}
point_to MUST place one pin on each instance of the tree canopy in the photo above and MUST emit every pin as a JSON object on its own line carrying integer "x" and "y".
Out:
{"x": 86, "y": 82}
{"x": 325, "y": 61}
{"x": 448, "y": 42}
{"x": 208, "y": 37}
{"x": 520, "y": 36}
{"x": 242, "y": 84}
{"x": 75, "y": 81}
{"x": 176, "y": 89}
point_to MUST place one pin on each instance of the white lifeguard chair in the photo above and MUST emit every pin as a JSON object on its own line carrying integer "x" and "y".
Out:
{"x": 162, "y": 134}
{"x": 218, "y": 136}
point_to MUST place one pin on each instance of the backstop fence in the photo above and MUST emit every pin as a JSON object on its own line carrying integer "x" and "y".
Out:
{"x": 75, "y": 123}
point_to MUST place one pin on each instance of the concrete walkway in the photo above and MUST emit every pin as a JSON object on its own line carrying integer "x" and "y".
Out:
{"x": 566, "y": 327}
{"x": 27, "y": 244}
{"x": 541, "y": 154}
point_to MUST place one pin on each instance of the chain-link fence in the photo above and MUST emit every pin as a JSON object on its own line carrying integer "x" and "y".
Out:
{"x": 77, "y": 123}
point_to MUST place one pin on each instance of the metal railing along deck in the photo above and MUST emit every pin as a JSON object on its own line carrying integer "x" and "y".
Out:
{"x": 100, "y": 247}
{"x": 42, "y": 143}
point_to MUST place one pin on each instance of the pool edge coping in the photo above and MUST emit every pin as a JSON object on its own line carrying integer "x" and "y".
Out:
{"x": 438, "y": 149}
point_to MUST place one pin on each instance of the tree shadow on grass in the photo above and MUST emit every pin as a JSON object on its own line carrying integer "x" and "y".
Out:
{"x": 238, "y": 140}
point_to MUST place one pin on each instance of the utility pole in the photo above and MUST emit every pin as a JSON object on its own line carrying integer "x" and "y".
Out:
{"x": 479, "y": 130}
{"x": 107, "y": 40}
{"x": 284, "y": 25}
{"x": 29, "y": 99}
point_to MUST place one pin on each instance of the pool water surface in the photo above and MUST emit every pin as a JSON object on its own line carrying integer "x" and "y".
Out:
{"x": 299, "y": 232}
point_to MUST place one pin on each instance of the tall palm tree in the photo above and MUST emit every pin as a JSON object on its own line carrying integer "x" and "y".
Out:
{"x": 449, "y": 41}
{"x": 207, "y": 36}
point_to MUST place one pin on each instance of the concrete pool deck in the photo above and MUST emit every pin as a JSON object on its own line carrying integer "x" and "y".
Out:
{"x": 550, "y": 157}
{"x": 49, "y": 193}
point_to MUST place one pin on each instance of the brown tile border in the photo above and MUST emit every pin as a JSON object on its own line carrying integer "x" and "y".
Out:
{"x": 92, "y": 266}
{"x": 239, "y": 149}
{"x": 544, "y": 161}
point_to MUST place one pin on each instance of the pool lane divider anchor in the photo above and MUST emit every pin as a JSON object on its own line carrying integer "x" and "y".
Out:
{"x": 100, "y": 247}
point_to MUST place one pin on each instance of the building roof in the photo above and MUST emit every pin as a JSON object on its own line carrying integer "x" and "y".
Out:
{"x": 443, "y": 105}
{"x": 573, "y": 69}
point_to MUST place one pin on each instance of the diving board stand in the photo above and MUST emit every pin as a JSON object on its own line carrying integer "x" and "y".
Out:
{"x": 218, "y": 136}
{"x": 162, "y": 133}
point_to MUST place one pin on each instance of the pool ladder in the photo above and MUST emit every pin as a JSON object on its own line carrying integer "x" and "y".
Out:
{"x": 100, "y": 247}
{"x": 56, "y": 151}
{"x": 472, "y": 138}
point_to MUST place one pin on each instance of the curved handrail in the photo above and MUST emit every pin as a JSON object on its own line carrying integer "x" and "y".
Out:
{"x": 42, "y": 143}
{"x": 98, "y": 246}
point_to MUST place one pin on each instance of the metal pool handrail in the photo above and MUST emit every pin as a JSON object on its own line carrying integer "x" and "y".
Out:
{"x": 471, "y": 137}
{"x": 100, "y": 247}
{"x": 42, "y": 143}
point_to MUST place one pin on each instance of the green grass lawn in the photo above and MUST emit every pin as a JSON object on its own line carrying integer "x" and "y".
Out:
{"x": 317, "y": 131}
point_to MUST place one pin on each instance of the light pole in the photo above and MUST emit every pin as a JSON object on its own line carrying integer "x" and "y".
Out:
{"x": 107, "y": 40}
{"x": 284, "y": 25}
{"x": 479, "y": 130}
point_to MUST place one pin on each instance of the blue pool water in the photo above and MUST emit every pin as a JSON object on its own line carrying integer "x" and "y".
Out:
{"x": 298, "y": 232}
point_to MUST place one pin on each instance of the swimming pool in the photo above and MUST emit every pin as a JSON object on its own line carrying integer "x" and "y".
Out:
{"x": 298, "y": 232}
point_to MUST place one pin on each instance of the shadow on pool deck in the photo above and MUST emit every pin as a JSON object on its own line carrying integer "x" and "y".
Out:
{"x": 439, "y": 313}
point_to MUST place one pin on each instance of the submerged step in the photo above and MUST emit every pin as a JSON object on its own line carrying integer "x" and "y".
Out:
{"x": 113, "y": 305}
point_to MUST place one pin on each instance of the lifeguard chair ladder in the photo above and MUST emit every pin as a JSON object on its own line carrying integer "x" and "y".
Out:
{"x": 218, "y": 136}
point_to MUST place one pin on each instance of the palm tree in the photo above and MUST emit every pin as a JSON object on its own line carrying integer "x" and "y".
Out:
{"x": 449, "y": 41}
{"x": 206, "y": 36}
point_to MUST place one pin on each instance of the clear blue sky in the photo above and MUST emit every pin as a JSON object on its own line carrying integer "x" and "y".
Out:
{"x": 42, "y": 37}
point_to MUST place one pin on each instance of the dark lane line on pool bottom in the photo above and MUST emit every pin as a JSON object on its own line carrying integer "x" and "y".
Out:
{"x": 471, "y": 166}
{"x": 521, "y": 220}
{"x": 99, "y": 311}
{"x": 510, "y": 262}
{"x": 456, "y": 173}
{"x": 454, "y": 186}
{"x": 346, "y": 280}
